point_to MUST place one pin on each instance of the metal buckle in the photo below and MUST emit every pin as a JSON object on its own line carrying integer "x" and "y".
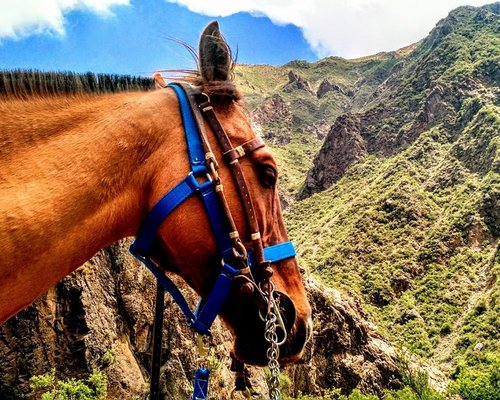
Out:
{"x": 213, "y": 171}
{"x": 240, "y": 250}
{"x": 195, "y": 182}
{"x": 203, "y": 345}
{"x": 240, "y": 151}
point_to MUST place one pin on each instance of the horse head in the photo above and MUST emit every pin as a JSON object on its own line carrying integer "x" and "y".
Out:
{"x": 185, "y": 243}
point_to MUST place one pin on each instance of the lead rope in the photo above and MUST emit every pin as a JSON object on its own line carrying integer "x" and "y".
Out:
{"x": 273, "y": 352}
{"x": 202, "y": 374}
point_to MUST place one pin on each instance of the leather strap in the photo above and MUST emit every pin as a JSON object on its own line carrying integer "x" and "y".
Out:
{"x": 241, "y": 184}
{"x": 243, "y": 150}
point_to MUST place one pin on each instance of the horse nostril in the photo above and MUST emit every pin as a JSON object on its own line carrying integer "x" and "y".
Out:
{"x": 287, "y": 310}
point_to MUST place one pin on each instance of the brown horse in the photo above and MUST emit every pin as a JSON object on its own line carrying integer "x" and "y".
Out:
{"x": 81, "y": 172}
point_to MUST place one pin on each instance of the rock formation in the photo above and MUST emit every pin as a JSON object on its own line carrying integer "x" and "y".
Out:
{"x": 345, "y": 350}
{"x": 106, "y": 307}
{"x": 273, "y": 120}
{"x": 318, "y": 129}
{"x": 326, "y": 87}
{"x": 343, "y": 146}
{"x": 297, "y": 82}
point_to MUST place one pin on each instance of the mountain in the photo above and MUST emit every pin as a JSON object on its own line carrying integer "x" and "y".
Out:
{"x": 390, "y": 180}
{"x": 400, "y": 204}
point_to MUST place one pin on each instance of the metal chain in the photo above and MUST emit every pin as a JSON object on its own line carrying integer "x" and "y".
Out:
{"x": 273, "y": 352}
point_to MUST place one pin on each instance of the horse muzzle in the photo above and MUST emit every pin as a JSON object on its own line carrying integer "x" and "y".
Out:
{"x": 293, "y": 331}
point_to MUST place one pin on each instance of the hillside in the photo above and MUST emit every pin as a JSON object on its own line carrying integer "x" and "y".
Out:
{"x": 400, "y": 206}
{"x": 390, "y": 181}
{"x": 295, "y": 105}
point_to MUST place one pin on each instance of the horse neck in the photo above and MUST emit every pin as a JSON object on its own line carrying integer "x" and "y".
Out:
{"x": 73, "y": 180}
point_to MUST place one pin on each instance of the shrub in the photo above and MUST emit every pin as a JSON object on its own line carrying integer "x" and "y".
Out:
{"x": 473, "y": 383}
{"x": 48, "y": 387}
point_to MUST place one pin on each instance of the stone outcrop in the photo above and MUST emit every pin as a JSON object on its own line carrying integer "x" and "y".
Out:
{"x": 326, "y": 86}
{"x": 343, "y": 146}
{"x": 345, "y": 350}
{"x": 296, "y": 82}
{"x": 106, "y": 307}
{"x": 273, "y": 120}
{"x": 318, "y": 129}
{"x": 436, "y": 109}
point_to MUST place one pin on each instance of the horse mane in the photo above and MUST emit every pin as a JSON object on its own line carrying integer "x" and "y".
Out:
{"x": 25, "y": 84}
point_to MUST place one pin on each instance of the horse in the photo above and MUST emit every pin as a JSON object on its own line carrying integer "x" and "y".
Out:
{"x": 80, "y": 172}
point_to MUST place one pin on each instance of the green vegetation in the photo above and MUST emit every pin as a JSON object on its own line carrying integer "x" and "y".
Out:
{"x": 478, "y": 382}
{"x": 413, "y": 228}
{"x": 404, "y": 394}
{"x": 48, "y": 387}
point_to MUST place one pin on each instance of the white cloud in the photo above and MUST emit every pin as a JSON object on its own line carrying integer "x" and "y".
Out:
{"x": 348, "y": 28}
{"x": 21, "y": 18}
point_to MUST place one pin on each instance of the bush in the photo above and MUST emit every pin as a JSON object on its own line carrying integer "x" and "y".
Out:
{"x": 48, "y": 387}
{"x": 415, "y": 380}
{"x": 473, "y": 383}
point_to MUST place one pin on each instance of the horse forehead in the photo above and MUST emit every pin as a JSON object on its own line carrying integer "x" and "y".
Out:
{"x": 237, "y": 125}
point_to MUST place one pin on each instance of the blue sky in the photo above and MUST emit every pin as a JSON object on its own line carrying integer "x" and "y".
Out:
{"x": 134, "y": 40}
{"x": 130, "y": 36}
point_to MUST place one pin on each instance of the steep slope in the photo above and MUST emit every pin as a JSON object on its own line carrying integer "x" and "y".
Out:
{"x": 405, "y": 213}
{"x": 102, "y": 315}
{"x": 293, "y": 106}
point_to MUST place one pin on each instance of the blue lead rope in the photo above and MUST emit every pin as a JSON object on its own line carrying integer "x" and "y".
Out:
{"x": 202, "y": 318}
{"x": 200, "y": 391}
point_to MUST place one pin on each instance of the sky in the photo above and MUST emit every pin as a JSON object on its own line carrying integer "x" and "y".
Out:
{"x": 133, "y": 36}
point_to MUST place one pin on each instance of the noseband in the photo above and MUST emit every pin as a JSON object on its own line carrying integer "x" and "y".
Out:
{"x": 252, "y": 265}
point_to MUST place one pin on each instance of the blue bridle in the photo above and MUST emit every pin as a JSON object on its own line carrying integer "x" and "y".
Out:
{"x": 195, "y": 182}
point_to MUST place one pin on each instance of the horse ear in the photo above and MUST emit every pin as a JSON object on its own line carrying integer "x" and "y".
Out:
{"x": 215, "y": 58}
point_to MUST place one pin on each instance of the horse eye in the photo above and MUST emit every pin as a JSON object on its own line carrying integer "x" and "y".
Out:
{"x": 268, "y": 176}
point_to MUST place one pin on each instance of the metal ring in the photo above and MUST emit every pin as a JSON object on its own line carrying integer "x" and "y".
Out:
{"x": 240, "y": 250}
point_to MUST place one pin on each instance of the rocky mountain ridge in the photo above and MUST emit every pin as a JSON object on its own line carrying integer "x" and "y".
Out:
{"x": 400, "y": 204}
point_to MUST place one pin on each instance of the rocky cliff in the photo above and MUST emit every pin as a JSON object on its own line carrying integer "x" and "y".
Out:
{"x": 434, "y": 86}
{"x": 398, "y": 206}
{"x": 343, "y": 147}
{"x": 101, "y": 317}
